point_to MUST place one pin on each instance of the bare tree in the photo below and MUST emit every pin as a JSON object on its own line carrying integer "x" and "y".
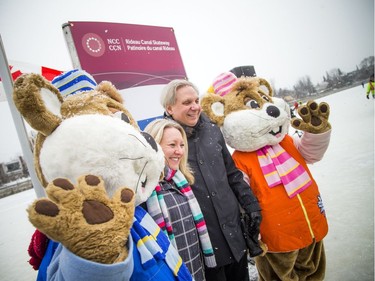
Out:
{"x": 304, "y": 87}
{"x": 367, "y": 63}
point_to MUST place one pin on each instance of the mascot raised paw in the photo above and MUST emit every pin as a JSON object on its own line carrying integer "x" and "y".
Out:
{"x": 256, "y": 124}
{"x": 97, "y": 167}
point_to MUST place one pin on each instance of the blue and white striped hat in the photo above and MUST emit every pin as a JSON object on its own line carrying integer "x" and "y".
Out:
{"x": 74, "y": 81}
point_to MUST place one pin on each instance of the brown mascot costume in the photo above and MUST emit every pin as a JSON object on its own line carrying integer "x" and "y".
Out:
{"x": 256, "y": 124}
{"x": 97, "y": 167}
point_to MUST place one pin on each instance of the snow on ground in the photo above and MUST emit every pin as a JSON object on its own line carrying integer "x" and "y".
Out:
{"x": 15, "y": 236}
{"x": 346, "y": 180}
{"x": 345, "y": 177}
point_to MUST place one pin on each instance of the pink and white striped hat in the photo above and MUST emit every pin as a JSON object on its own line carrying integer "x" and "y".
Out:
{"x": 223, "y": 83}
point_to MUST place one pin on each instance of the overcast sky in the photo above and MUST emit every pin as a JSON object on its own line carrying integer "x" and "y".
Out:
{"x": 285, "y": 40}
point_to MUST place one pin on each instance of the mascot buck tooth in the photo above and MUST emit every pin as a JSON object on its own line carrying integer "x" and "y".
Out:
{"x": 255, "y": 124}
{"x": 96, "y": 167}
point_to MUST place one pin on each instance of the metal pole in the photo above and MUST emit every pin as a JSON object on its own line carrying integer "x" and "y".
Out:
{"x": 18, "y": 121}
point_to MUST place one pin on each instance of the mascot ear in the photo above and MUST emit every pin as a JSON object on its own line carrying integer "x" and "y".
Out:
{"x": 107, "y": 88}
{"x": 38, "y": 102}
{"x": 265, "y": 87}
{"x": 214, "y": 106}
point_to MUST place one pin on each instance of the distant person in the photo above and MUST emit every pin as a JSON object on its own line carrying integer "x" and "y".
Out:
{"x": 219, "y": 186}
{"x": 295, "y": 105}
{"x": 173, "y": 205}
{"x": 370, "y": 87}
{"x": 293, "y": 109}
{"x": 292, "y": 115}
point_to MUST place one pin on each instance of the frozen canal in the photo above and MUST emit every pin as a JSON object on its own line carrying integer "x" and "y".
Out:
{"x": 345, "y": 177}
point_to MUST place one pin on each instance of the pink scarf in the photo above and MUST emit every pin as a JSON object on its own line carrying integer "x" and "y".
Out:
{"x": 279, "y": 167}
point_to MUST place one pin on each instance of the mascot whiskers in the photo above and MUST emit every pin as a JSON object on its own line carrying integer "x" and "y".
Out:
{"x": 256, "y": 124}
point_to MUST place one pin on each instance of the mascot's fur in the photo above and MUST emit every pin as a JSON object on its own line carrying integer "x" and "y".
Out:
{"x": 253, "y": 122}
{"x": 92, "y": 138}
{"x": 249, "y": 101}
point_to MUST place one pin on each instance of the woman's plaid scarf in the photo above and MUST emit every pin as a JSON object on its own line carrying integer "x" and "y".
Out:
{"x": 158, "y": 210}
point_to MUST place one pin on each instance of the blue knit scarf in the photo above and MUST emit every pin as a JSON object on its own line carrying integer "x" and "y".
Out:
{"x": 153, "y": 245}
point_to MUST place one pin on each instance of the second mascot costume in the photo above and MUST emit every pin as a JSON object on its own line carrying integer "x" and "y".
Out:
{"x": 256, "y": 125}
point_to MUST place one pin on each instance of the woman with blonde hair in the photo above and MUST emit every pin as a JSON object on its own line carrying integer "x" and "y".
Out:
{"x": 173, "y": 205}
{"x": 156, "y": 130}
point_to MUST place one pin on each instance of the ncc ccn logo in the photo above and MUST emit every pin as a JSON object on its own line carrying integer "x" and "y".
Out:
{"x": 93, "y": 44}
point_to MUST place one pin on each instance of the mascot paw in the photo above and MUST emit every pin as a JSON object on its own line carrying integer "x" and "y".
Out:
{"x": 84, "y": 219}
{"x": 314, "y": 118}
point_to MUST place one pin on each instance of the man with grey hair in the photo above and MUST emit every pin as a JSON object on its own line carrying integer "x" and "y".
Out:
{"x": 219, "y": 186}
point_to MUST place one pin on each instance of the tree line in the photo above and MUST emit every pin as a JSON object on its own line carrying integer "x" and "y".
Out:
{"x": 331, "y": 80}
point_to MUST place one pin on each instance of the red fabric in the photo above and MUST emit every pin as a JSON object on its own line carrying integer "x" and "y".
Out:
{"x": 37, "y": 248}
{"x": 50, "y": 73}
{"x": 15, "y": 74}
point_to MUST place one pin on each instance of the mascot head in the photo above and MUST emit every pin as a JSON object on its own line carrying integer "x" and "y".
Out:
{"x": 84, "y": 128}
{"x": 249, "y": 116}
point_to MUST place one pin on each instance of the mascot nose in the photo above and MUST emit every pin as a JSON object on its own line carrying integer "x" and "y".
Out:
{"x": 273, "y": 111}
{"x": 150, "y": 140}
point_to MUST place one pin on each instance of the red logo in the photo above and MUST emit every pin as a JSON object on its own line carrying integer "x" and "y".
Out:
{"x": 93, "y": 44}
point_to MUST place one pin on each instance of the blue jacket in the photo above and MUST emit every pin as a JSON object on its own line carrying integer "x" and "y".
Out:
{"x": 60, "y": 264}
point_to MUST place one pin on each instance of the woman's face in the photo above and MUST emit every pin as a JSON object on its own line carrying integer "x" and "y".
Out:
{"x": 173, "y": 147}
{"x": 186, "y": 109}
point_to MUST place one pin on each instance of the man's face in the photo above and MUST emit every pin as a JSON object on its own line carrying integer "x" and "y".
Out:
{"x": 187, "y": 109}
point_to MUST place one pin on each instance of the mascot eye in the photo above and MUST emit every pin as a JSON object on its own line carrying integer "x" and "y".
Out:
{"x": 251, "y": 103}
{"x": 122, "y": 116}
{"x": 150, "y": 140}
{"x": 266, "y": 98}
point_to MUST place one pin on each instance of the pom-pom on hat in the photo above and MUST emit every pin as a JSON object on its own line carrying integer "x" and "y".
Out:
{"x": 74, "y": 81}
{"x": 223, "y": 83}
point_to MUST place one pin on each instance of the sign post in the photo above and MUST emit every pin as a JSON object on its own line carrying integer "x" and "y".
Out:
{"x": 18, "y": 121}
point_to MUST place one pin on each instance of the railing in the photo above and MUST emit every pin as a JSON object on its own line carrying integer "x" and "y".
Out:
{"x": 15, "y": 187}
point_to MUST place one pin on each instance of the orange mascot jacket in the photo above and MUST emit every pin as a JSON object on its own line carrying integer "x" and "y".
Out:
{"x": 288, "y": 224}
